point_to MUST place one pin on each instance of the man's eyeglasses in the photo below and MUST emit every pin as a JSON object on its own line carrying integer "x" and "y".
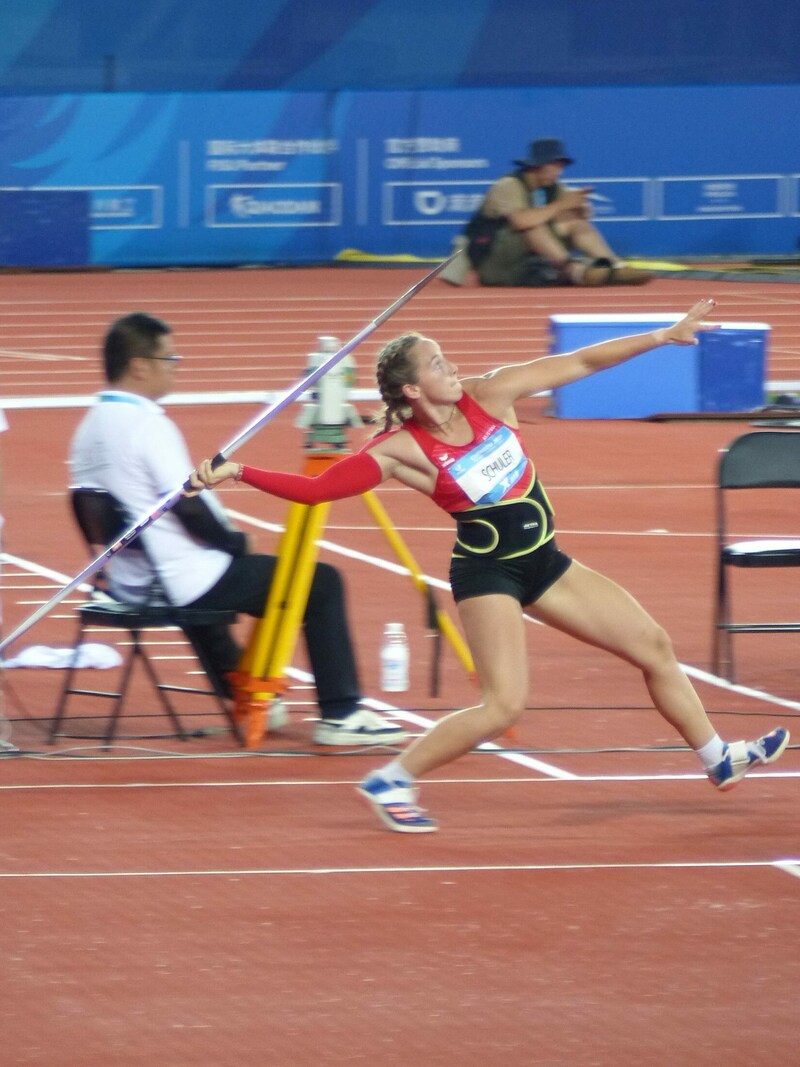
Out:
{"x": 174, "y": 358}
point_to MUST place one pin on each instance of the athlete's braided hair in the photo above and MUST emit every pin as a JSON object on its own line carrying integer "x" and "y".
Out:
{"x": 396, "y": 367}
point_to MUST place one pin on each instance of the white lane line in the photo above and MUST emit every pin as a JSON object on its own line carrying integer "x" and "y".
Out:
{"x": 37, "y": 568}
{"x": 513, "y": 757}
{"x": 40, "y": 357}
{"x": 743, "y": 690}
{"x": 242, "y": 872}
{"x": 692, "y": 672}
{"x": 340, "y": 550}
{"x": 488, "y": 746}
{"x": 304, "y": 783}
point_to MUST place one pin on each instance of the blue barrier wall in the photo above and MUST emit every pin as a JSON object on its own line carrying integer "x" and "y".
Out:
{"x": 44, "y": 228}
{"x": 51, "y": 46}
{"x": 298, "y": 177}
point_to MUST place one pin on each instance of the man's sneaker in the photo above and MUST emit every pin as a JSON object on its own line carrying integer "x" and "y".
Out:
{"x": 742, "y": 756}
{"x": 278, "y": 715}
{"x": 361, "y": 727}
{"x": 396, "y": 805}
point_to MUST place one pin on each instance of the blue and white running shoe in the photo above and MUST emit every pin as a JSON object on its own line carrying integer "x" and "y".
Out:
{"x": 396, "y": 805}
{"x": 741, "y": 756}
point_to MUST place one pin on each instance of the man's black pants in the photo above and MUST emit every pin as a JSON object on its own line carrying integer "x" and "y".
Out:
{"x": 244, "y": 587}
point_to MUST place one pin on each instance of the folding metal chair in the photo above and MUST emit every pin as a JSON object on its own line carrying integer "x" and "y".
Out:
{"x": 768, "y": 459}
{"x": 102, "y": 519}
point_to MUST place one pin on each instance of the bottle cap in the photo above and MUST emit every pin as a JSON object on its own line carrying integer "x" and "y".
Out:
{"x": 394, "y": 627}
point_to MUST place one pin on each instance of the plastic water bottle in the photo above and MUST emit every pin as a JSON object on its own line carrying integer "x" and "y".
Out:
{"x": 394, "y": 659}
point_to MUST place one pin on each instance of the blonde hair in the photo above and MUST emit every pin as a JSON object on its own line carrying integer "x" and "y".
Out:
{"x": 395, "y": 368}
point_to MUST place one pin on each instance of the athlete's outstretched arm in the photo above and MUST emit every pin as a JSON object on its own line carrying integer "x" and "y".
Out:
{"x": 508, "y": 384}
{"x": 349, "y": 476}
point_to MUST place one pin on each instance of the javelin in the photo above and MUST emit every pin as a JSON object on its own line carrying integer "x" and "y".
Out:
{"x": 169, "y": 501}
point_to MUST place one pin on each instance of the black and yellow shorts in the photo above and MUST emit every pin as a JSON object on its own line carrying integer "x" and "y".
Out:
{"x": 507, "y": 548}
{"x": 524, "y": 577}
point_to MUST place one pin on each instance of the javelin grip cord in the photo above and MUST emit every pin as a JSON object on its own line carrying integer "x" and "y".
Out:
{"x": 169, "y": 501}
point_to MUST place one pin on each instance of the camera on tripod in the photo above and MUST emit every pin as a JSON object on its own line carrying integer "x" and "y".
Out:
{"x": 328, "y": 413}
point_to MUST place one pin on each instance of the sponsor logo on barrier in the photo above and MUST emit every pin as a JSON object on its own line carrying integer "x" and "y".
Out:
{"x": 302, "y": 204}
{"x": 129, "y": 207}
{"x": 430, "y": 203}
{"x": 244, "y": 207}
{"x": 616, "y": 199}
{"x": 123, "y": 207}
{"x": 116, "y": 207}
{"x": 435, "y": 203}
{"x": 742, "y": 196}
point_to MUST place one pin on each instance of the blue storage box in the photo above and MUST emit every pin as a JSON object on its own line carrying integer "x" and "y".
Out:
{"x": 724, "y": 372}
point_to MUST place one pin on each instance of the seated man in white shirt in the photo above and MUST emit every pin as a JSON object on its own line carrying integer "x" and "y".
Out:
{"x": 127, "y": 445}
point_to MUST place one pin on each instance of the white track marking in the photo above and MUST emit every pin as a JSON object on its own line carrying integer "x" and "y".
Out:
{"x": 743, "y": 690}
{"x": 305, "y": 783}
{"x": 40, "y": 357}
{"x": 37, "y": 568}
{"x": 475, "y": 868}
{"x": 437, "y": 583}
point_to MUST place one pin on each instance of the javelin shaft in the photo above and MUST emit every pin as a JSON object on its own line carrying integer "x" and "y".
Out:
{"x": 169, "y": 501}
{"x": 292, "y": 394}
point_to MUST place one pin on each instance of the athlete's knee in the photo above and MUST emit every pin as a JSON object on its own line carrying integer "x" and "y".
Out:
{"x": 657, "y": 651}
{"x": 503, "y": 710}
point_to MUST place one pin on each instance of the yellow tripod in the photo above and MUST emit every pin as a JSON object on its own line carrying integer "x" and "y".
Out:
{"x": 261, "y": 674}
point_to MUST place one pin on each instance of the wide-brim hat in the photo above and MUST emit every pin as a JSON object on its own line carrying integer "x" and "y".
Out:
{"x": 545, "y": 150}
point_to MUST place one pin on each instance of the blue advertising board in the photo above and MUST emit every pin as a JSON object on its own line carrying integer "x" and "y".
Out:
{"x": 298, "y": 177}
{"x": 44, "y": 228}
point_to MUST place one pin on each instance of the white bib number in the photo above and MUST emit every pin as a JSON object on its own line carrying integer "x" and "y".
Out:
{"x": 488, "y": 471}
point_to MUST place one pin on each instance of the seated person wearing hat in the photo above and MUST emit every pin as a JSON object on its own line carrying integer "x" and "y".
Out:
{"x": 528, "y": 226}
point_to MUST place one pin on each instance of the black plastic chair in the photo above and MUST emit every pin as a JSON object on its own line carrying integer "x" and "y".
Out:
{"x": 102, "y": 519}
{"x": 768, "y": 459}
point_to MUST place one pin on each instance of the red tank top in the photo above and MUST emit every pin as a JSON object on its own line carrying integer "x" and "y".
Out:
{"x": 492, "y": 467}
